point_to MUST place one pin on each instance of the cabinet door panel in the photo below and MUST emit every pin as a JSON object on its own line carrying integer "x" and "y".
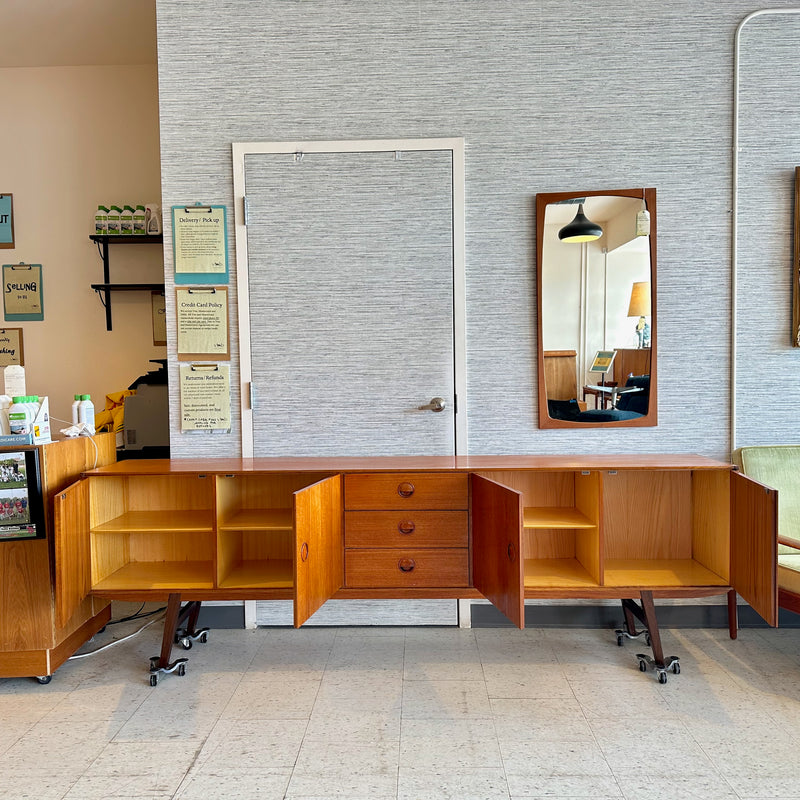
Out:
{"x": 319, "y": 546}
{"x": 754, "y": 545}
{"x": 72, "y": 549}
{"x": 497, "y": 566}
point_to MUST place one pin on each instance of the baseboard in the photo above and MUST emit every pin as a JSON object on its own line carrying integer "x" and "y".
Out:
{"x": 610, "y": 616}
{"x": 221, "y": 617}
{"x": 561, "y": 616}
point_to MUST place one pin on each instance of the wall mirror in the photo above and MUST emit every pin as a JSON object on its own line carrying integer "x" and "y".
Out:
{"x": 596, "y": 279}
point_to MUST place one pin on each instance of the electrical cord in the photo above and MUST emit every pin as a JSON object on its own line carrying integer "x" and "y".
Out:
{"x": 136, "y": 615}
{"x": 116, "y": 641}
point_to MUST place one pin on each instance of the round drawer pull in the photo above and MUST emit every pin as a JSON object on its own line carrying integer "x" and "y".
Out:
{"x": 304, "y": 551}
{"x": 406, "y": 526}
{"x": 405, "y": 489}
{"x": 406, "y": 564}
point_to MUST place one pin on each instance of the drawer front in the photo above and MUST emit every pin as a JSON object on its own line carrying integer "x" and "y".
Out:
{"x": 400, "y": 490}
{"x": 399, "y": 569}
{"x": 406, "y": 529}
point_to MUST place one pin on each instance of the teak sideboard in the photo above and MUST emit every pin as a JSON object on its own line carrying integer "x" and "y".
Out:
{"x": 504, "y": 528}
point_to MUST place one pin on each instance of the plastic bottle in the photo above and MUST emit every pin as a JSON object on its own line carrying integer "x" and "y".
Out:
{"x": 101, "y": 221}
{"x": 20, "y": 422}
{"x": 86, "y": 411}
{"x": 114, "y": 213}
{"x": 75, "y": 403}
{"x": 139, "y": 220}
{"x": 126, "y": 221}
{"x": 5, "y": 402}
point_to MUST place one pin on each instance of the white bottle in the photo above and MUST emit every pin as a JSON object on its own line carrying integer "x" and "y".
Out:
{"x": 5, "y": 402}
{"x": 19, "y": 417}
{"x": 101, "y": 221}
{"x": 126, "y": 221}
{"x": 139, "y": 220}
{"x": 75, "y": 403}
{"x": 86, "y": 411}
{"x": 152, "y": 213}
{"x": 114, "y": 213}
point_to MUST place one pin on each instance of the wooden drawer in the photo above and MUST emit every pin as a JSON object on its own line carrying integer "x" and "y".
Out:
{"x": 402, "y": 490}
{"x": 406, "y": 529}
{"x": 406, "y": 568}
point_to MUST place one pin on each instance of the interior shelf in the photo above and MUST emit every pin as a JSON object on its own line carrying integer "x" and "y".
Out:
{"x": 660, "y": 572}
{"x": 171, "y": 521}
{"x": 555, "y": 517}
{"x": 557, "y": 572}
{"x": 266, "y": 574}
{"x": 159, "y": 575}
{"x": 259, "y": 519}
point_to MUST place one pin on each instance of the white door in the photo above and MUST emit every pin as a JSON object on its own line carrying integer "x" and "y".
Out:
{"x": 350, "y": 265}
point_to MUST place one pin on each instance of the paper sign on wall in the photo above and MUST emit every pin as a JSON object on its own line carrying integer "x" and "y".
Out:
{"x": 6, "y": 221}
{"x": 200, "y": 244}
{"x": 22, "y": 292}
{"x": 11, "y": 347}
{"x": 205, "y": 397}
{"x": 201, "y": 319}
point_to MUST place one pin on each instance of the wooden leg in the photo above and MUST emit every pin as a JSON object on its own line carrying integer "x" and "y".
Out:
{"x": 649, "y": 610}
{"x": 170, "y": 626}
{"x": 733, "y": 614}
{"x": 160, "y": 665}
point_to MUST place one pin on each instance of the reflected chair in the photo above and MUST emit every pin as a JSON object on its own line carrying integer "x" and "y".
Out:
{"x": 630, "y": 405}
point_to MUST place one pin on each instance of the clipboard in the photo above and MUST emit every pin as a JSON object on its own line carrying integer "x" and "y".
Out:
{"x": 23, "y": 294}
{"x": 200, "y": 244}
{"x": 202, "y": 323}
{"x": 205, "y": 397}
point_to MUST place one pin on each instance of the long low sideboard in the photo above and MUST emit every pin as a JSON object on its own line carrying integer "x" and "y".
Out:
{"x": 501, "y": 527}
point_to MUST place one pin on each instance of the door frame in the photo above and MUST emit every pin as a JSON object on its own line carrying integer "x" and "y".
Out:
{"x": 456, "y": 147}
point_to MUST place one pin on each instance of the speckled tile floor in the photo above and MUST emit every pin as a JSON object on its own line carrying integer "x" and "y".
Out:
{"x": 411, "y": 714}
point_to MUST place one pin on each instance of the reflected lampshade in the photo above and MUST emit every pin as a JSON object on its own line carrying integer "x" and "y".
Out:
{"x": 581, "y": 229}
{"x": 639, "y": 305}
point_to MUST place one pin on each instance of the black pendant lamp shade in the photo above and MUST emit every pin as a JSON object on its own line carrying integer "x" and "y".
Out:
{"x": 580, "y": 229}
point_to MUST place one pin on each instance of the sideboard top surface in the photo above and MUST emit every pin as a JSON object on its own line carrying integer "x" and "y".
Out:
{"x": 550, "y": 463}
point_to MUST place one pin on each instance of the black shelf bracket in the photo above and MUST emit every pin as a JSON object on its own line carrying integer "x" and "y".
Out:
{"x": 105, "y": 288}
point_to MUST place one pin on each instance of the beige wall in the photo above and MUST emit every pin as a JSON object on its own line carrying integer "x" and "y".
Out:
{"x": 73, "y": 137}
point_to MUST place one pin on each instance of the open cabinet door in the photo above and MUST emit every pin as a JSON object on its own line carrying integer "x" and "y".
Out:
{"x": 754, "y": 545}
{"x": 71, "y": 539}
{"x": 497, "y": 563}
{"x": 319, "y": 547}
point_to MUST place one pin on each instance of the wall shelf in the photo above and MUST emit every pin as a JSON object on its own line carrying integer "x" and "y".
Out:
{"x": 104, "y": 289}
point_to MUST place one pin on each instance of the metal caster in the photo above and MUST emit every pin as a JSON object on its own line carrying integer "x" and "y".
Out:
{"x": 670, "y": 663}
{"x": 623, "y": 635}
{"x": 178, "y": 667}
{"x": 44, "y": 679}
{"x": 185, "y": 639}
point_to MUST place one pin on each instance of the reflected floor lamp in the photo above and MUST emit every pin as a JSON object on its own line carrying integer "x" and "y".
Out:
{"x": 640, "y": 306}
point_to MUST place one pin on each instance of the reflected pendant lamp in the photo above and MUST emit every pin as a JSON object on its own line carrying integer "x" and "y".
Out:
{"x": 580, "y": 229}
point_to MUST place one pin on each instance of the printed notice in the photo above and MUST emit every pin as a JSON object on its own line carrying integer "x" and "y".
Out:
{"x": 205, "y": 397}
{"x": 22, "y": 292}
{"x": 202, "y": 323}
{"x": 199, "y": 239}
{"x": 11, "y": 347}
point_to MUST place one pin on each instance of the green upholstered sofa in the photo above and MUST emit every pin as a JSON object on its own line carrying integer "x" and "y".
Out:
{"x": 778, "y": 466}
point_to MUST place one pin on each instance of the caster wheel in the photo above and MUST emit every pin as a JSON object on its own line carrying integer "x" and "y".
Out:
{"x": 186, "y": 644}
{"x": 154, "y": 680}
{"x": 154, "y": 661}
{"x": 182, "y": 670}
{"x": 203, "y": 638}
{"x": 662, "y": 677}
{"x": 676, "y": 668}
{"x": 642, "y": 666}
{"x": 620, "y": 640}
{"x": 44, "y": 679}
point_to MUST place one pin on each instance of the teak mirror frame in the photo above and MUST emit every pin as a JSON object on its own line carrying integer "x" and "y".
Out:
{"x": 649, "y": 419}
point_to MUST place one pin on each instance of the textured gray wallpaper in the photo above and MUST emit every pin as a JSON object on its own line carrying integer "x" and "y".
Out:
{"x": 618, "y": 95}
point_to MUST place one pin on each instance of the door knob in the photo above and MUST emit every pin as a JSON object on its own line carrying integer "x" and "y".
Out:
{"x": 437, "y": 404}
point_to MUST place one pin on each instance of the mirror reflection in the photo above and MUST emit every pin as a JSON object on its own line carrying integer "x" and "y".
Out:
{"x": 596, "y": 287}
